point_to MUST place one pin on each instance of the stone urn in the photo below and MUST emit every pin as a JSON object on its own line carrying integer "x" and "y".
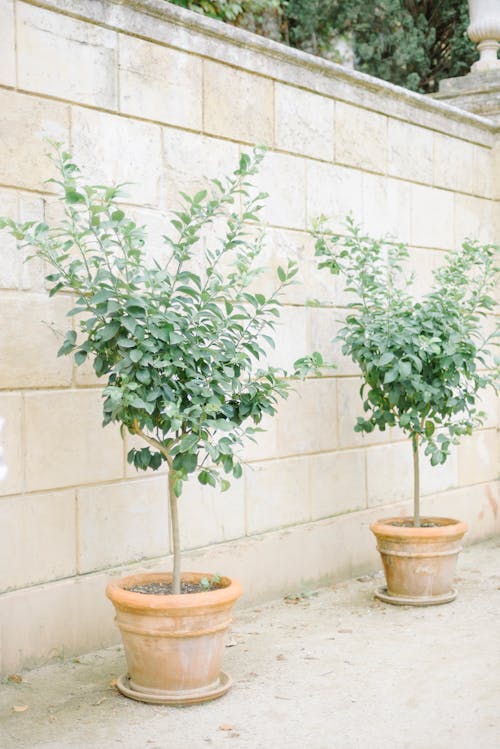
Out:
{"x": 484, "y": 30}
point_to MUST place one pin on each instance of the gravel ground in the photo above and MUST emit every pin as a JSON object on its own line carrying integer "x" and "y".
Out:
{"x": 329, "y": 669}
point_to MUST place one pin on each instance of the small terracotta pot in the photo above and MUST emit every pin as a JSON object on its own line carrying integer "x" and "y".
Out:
{"x": 419, "y": 563}
{"x": 173, "y": 643}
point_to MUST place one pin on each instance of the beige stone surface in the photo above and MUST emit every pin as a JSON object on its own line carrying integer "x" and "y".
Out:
{"x": 474, "y": 219}
{"x": 337, "y": 483}
{"x": 484, "y": 172}
{"x": 325, "y": 324}
{"x": 307, "y": 420}
{"x": 30, "y": 338}
{"x": 31, "y": 121}
{"x": 283, "y": 177}
{"x": 432, "y": 217}
{"x": 386, "y": 207}
{"x": 237, "y": 104}
{"x": 368, "y": 150}
{"x": 191, "y": 160}
{"x": 453, "y": 163}
{"x": 122, "y": 523}
{"x": 350, "y": 406}
{"x": 37, "y": 539}
{"x": 440, "y": 478}
{"x": 10, "y": 267}
{"x": 478, "y": 457}
{"x": 276, "y": 494}
{"x": 159, "y": 83}
{"x": 66, "y": 58}
{"x": 115, "y": 150}
{"x": 65, "y": 618}
{"x": 11, "y": 442}
{"x": 65, "y": 443}
{"x": 7, "y": 44}
{"x": 303, "y": 122}
{"x": 290, "y": 347}
{"x": 411, "y": 152}
{"x": 264, "y": 444}
{"x": 389, "y": 473}
{"x": 209, "y": 516}
{"x": 334, "y": 192}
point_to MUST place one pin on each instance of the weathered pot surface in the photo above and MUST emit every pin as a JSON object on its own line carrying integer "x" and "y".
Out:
{"x": 173, "y": 643}
{"x": 419, "y": 563}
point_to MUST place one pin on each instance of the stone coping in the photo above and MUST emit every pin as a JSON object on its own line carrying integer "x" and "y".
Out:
{"x": 197, "y": 34}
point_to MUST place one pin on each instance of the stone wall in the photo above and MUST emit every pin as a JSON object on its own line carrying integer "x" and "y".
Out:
{"x": 145, "y": 92}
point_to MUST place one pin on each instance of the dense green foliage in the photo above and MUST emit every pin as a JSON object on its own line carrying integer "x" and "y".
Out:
{"x": 411, "y": 44}
{"x": 182, "y": 344}
{"x": 423, "y": 362}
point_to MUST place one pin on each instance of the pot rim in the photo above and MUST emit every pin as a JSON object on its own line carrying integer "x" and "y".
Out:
{"x": 446, "y": 528}
{"x": 117, "y": 593}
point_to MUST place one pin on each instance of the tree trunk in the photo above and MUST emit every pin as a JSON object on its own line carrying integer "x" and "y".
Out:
{"x": 174, "y": 526}
{"x": 416, "y": 482}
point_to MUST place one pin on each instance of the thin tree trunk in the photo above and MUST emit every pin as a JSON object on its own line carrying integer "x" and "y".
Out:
{"x": 174, "y": 526}
{"x": 416, "y": 483}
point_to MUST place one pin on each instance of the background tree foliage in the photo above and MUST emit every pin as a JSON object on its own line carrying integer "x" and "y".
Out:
{"x": 412, "y": 44}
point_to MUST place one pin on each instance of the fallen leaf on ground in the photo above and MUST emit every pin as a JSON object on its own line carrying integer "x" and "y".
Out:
{"x": 113, "y": 683}
{"x": 19, "y": 708}
{"x": 15, "y": 678}
{"x": 225, "y": 727}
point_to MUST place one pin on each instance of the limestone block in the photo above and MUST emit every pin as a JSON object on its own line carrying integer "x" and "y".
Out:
{"x": 360, "y": 137}
{"x": 496, "y": 170}
{"x": 66, "y": 618}
{"x": 324, "y": 327}
{"x": 65, "y": 443}
{"x": 276, "y": 494}
{"x": 159, "y": 83}
{"x": 484, "y": 172}
{"x": 432, "y": 214}
{"x": 411, "y": 152}
{"x": 335, "y": 192}
{"x": 30, "y": 121}
{"x": 237, "y": 104}
{"x": 307, "y": 420}
{"x": 209, "y": 516}
{"x": 435, "y": 479}
{"x": 10, "y": 267}
{"x": 122, "y": 523}
{"x": 66, "y": 58}
{"x": 489, "y": 402}
{"x": 389, "y": 470}
{"x": 478, "y": 457}
{"x": 423, "y": 263}
{"x": 477, "y": 505}
{"x": 453, "y": 163}
{"x": 265, "y": 444}
{"x": 290, "y": 337}
{"x": 337, "y": 483}
{"x": 32, "y": 208}
{"x": 191, "y": 160}
{"x": 474, "y": 219}
{"x": 11, "y": 411}
{"x": 113, "y": 150}
{"x": 304, "y": 122}
{"x": 386, "y": 207}
{"x": 350, "y": 406}
{"x": 29, "y": 340}
{"x": 283, "y": 177}
{"x": 7, "y": 44}
{"x": 37, "y": 539}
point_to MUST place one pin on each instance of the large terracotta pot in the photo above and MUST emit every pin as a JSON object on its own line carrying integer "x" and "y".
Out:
{"x": 419, "y": 563}
{"x": 173, "y": 643}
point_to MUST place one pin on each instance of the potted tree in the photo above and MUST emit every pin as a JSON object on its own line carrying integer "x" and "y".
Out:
{"x": 179, "y": 344}
{"x": 423, "y": 364}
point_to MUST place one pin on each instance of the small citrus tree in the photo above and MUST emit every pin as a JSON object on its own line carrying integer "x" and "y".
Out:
{"x": 424, "y": 362}
{"x": 179, "y": 343}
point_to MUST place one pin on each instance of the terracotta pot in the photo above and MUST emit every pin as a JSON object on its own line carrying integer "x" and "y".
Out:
{"x": 419, "y": 563}
{"x": 173, "y": 643}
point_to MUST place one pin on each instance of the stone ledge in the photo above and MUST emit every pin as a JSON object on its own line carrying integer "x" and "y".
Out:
{"x": 245, "y": 50}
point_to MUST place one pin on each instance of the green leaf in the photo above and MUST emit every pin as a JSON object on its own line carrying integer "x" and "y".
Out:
{"x": 237, "y": 471}
{"x": 429, "y": 428}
